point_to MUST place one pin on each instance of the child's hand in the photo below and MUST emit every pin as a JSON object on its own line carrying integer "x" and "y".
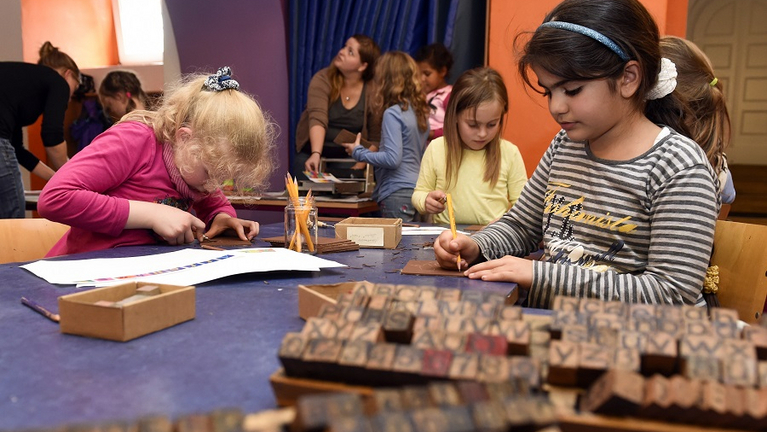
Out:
{"x": 446, "y": 250}
{"x": 313, "y": 163}
{"x": 175, "y": 226}
{"x": 506, "y": 269}
{"x": 245, "y": 229}
{"x": 435, "y": 202}
{"x": 351, "y": 146}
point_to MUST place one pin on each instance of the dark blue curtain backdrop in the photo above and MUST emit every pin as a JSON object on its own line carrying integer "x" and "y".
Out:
{"x": 319, "y": 28}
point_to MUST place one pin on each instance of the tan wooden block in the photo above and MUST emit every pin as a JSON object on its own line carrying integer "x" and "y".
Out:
{"x": 454, "y": 324}
{"x": 353, "y": 313}
{"x": 590, "y": 306}
{"x": 428, "y": 339}
{"x": 428, "y": 293}
{"x": 627, "y": 359}
{"x": 392, "y": 422}
{"x": 566, "y": 304}
{"x": 415, "y": 397}
{"x": 701, "y": 367}
{"x": 444, "y": 394}
{"x": 632, "y": 340}
{"x": 615, "y": 393}
{"x": 575, "y": 334}
{"x": 455, "y": 342}
{"x": 488, "y": 311}
{"x": 355, "y": 354}
{"x": 408, "y": 360}
{"x": 676, "y": 328}
{"x": 193, "y": 423}
{"x": 563, "y": 363}
{"x": 525, "y": 369}
{"x": 493, "y": 368}
{"x": 724, "y": 315}
{"x": 694, "y": 313}
{"x": 739, "y": 348}
{"x": 428, "y": 308}
{"x": 489, "y": 415}
{"x": 472, "y": 392}
{"x": 480, "y": 325}
{"x": 291, "y": 353}
{"x": 593, "y": 361}
{"x": 725, "y": 330}
{"x": 698, "y": 328}
{"x": 407, "y": 293}
{"x": 643, "y": 324}
{"x": 464, "y": 366}
{"x": 518, "y": 336}
{"x": 316, "y": 328}
{"x": 701, "y": 346}
{"x": 367, "y": 332}
{"x": 373, "y": 316}
{"x": 758, "y": 336}
{"x": 449, "y": 294}
{"x": 322, "y": 350}
{"x": 227, "y": 420}
{"x": 388, "y": 290}
{"x": 604, "y": 319}
{"x": 510, "y": 313}
{"x": 740, "y": 371}
{"x": 658, "y": 398}
{"x": 378, "y": 301}
{"x": 606, "y": 336}
{"x": 381, "y": 356}
{"x": 428, "y": 323}
{"x": 713, "y": 401}
{"x": 387, "y": 400}
{"x": 755, "y": 406}
{"x": 329, "y": 311}
{"x": 669, "y": 312}
{"x": 686, "y": 396}
{"x": 398, "y": 327}
{"x": 761, "y": 369}
{"x": 641, "y": 311}
{"x": 561, "y": 320}
{"x": 436, "y": 363}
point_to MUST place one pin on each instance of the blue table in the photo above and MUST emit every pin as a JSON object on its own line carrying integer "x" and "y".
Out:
{"x": 221, "y": 359}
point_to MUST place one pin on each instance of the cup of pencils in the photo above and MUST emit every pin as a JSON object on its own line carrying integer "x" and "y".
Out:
{"x": 300, "y": 220}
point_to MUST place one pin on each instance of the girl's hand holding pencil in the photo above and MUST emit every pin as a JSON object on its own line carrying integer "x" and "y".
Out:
{"x": 447, "y": 249}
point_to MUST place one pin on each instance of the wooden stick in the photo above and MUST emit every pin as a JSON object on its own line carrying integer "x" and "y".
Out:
{"x": 452, "y": 226}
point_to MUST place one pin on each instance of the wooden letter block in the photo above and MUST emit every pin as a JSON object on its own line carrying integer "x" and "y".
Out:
{"x": 639, "y": 311}
{"x": 381, "y": 356}
{"x": 455, "y": 342}
{"x": 227, "y": 420}
{"x": 323, "y": 350}
{"x": 590, "y": 306}
{"x": 387, "y": 400}
{"x": 701, "y": 346}
{"x": 575, "y": 334}
{"x": 761, "y": 369}
{"x": 701, "y": 367}
{"x": 398, "y": 327}
{"x": 428, "y": 293}
{"x": 658, "y": 397}
{"x": 615, "y": 393}
{"x": 698, "y": 328}
{"x": 329, "y": 311}
{"x": 193, "y": 423}
{"x": 488, "y": 311}
{"x": 349, "y": 424}
{"x": 489, "y": 416}
{"x": 486, "y": 344}
{"x": 464, "y": 366}
{"x": 603, "y": 319}
{"x": 472, "y": 392}
{"x": 563, "y": 363}
{"x": 408, "y": 361}
{"x": 407, "y": 293}
{"x": 444, "y": 394}
{"x": 428, "y": 339}
{"x": 632, "y": 340}
{"x": 154, "y": 423}
{"x": 694, "y": 313}
{"x": 660, "y": 354}
{"x": 291, "y": 353}
{"x": 643, "y": 324}
{"x": 675, "y": 328}
{"x": 493, "y": 368}
{"x": 428, "y": 308}
{"x": 740, "y": 371}
{"x": 353, "y": 313}
{"x": 757, "y": 336}
{"x": 617, "y": 308}
{"x": 436, "y": 363}
{"x": 387, "y": 290}
{"x": 669, "y": 312}
{"x": 686, "y": 394}
{"x": 739, "y": 349}
{"x": 428, "y": 323}
{"x": 713, "y": 402}
{"x": 565, "y": 304}
{"x": 449, "y": 294}
{"x": 724, "y": 315}
{"x": 518, "y": 336}
{"x": 355, "y": 354}
{"x": 510, "y": 313}
{"x": 726, "y": 330}
{"x": 373, "y": 316}
{"x": 475, "y": 325}
{"x": 392, "y": 422}
{"x": 593, "y": 361}
{"x": 561, "y": 320}
{"x": 429, "y": 419}
{"x": 476, "y": 297}
{"x": 526, "y": 369}
{"x": 755, "y": 407}
{"x": 367, "y": 332}
{"x": 415, "y": 397}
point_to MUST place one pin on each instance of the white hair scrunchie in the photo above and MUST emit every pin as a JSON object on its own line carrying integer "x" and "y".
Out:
{"x": 666, "y": 80}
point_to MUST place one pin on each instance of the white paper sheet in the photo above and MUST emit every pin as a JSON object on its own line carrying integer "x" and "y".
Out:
{"x": 428, "y": 230}
{"x": 183, "y": 267}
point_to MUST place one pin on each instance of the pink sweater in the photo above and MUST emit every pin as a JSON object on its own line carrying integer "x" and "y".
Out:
{"x": 90, "y": 193}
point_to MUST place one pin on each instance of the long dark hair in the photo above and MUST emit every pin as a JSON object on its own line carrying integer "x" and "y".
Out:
{"x": 577, "y": 57}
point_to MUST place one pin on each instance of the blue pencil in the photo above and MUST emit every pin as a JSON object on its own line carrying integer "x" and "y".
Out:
{"x": 41, "y": 310}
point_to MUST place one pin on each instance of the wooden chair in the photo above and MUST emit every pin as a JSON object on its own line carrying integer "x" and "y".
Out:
{"x": 740, "y": 251}
{"x": 28, "y": 239}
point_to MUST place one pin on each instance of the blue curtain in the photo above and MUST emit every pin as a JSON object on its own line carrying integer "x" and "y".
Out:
{"x": 319, "y": 28}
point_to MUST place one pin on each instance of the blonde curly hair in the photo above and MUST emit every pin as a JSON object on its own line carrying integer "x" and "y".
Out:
{"x": 231, "y": 135}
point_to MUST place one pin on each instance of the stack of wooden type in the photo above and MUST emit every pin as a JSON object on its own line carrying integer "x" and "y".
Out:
{"x": 440, "y": 406}
{"x": 324, "y": 244}
{"x": 384, "y": 335}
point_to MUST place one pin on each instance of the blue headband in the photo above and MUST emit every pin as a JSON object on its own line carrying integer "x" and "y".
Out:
{"x": 599, "y": 37}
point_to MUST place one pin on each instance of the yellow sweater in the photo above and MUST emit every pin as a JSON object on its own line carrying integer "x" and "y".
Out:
{"x": 474, "y": 200}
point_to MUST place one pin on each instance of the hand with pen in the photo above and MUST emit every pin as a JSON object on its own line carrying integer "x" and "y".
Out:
{"x": 435, "y": 202}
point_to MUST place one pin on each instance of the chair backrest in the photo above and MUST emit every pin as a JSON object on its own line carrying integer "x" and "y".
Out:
{"x": 740, "y": 251}
{"x": 28, "y": 239}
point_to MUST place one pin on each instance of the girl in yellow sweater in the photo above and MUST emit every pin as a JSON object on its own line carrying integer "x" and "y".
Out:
{"x": 483, "y": 172}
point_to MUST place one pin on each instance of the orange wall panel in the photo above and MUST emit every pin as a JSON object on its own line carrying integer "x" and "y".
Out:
{"x": 529, "y": 124}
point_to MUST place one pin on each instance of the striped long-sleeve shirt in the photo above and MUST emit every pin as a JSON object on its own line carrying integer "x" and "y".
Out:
{"x": 638, "y": 231}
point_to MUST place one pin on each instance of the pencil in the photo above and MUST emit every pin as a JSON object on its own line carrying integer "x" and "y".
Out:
{"x": 39, "y": 309}
{"x": 452, "y": 225}
{"x": 209, "y": 247}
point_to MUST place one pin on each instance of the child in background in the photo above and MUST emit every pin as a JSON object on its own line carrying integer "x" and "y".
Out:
{"x": 136, "y": 182}
{"x": 435, "y": 62}
{"x": 697, "y": 108}
{"x": 404, "y": 132}
{"x": 472, "y": 149}
{"x": 626, "y": 209}
{"x": 120, "y": 92}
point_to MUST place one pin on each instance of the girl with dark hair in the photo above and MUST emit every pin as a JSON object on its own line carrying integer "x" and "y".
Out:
{"x": 435, "y": 62}
{"x": 625, "y": 208}
{"x": 339, "y": 98}
{"x": 120, "y": 92}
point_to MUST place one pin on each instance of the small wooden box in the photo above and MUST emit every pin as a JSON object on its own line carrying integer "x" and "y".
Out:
{"x": 81, "y": 316}
{"x": 380, "y": 233}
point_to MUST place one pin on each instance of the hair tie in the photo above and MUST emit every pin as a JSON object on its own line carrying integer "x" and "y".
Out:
{"x": 127, "y": 94}
{"x": 666, "y": 80}
{"x": 221, "y": 81}
{"x": 593, "y": 34}
{"x": 713, "y": 82}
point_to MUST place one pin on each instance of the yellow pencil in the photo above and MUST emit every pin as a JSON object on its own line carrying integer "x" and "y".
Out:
{"x": 452, "y": 225}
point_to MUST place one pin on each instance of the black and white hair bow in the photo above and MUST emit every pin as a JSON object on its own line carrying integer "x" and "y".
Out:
{"x": 221, "y": 81}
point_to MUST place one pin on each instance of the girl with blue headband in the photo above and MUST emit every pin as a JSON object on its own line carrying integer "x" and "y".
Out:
{"x": 625, "y": 208}
{"x": 137, "y": 182}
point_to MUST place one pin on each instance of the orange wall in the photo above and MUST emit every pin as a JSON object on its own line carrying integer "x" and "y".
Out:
{"x": 529, "y": 124}
{"x": 84, "y": 29}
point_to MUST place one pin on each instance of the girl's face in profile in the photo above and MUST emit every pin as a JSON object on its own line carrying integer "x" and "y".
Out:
{"x": 431, "y": 79}
{"x": 348, "y": 58}
{"x": 478, "y": 127}
{"x": 114, "y": 106}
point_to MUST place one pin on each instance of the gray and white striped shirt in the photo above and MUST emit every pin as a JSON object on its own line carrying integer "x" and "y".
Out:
{"x": 638, "y": 231}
